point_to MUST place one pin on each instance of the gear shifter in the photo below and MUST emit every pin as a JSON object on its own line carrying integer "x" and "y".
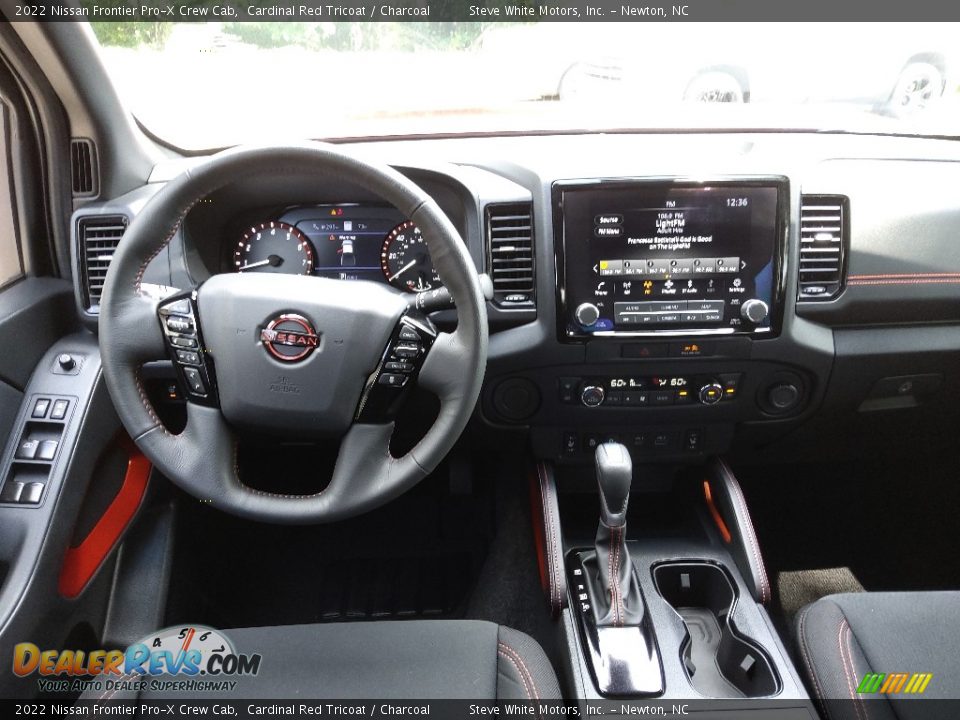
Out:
{"x": 618, "y": 636}
{"x": 617, "y": 600}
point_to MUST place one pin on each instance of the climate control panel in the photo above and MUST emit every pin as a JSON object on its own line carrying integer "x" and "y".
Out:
{"x": 642, "y": 391}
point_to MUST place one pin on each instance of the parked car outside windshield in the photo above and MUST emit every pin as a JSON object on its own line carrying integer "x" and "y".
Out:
{"x": 203, "y": 85}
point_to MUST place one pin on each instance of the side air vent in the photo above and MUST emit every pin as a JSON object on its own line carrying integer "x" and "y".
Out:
{"x": 510, "y": 253}
{"x": 97, "y": 239}
{"x": 83, "y": 159}
{"x": 823, "y": 238}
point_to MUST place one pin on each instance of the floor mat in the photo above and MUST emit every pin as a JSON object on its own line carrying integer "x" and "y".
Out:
{"x": 419, "y": 556}
{"x": 892, "y": 521}
{"x": 802, "y": 587}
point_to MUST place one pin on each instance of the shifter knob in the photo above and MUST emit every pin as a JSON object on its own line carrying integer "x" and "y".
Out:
{"x": 614, "y": 475}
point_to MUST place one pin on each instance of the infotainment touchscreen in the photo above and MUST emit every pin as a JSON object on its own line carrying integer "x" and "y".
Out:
{"x": 668, "y": 257}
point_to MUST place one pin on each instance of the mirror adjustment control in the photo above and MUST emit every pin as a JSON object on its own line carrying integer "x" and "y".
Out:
{"x": 592, "y": 395}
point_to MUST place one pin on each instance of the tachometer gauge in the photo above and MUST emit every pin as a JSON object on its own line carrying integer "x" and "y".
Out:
{"x": 274, "y": 247}
{"x": 406, "y": 261}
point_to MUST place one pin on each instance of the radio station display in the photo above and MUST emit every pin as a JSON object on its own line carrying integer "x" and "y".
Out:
{"x": 649, "y": 257}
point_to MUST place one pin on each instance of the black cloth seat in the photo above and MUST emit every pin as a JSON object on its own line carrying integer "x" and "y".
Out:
{"x": 414, "y": 659}
{"x": 841, "y": 638}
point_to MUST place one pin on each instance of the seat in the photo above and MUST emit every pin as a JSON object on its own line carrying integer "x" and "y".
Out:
{"x": 842, "y": 638}
{"x": 396, "y": 660}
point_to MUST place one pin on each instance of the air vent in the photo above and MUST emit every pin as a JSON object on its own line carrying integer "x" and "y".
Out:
{"x": 823, "y": 236}
{"x": 83, "y": 158}
{"x": 98, "y": 238}
{"x": 510, "y": 248}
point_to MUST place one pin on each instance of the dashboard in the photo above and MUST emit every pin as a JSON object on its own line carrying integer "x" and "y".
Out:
{"x": 686, "y": 294}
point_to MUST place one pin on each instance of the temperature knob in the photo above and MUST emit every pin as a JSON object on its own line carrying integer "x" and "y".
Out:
{"x": 754, "y": 311}
{"x": 587, "y": 314}
{"x": 592, "y": 396}
{"x": 711, "y": 394}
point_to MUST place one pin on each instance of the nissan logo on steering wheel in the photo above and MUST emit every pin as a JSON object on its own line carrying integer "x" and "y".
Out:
{"x": 290, "y": 338}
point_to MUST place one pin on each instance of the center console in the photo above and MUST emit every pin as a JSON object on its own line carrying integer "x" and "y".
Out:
{"x": 662, "y": 599}
{"x": 670, "y": 306}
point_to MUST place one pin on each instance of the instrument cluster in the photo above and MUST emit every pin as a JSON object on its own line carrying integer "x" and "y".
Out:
{"x": 343, "y": 241}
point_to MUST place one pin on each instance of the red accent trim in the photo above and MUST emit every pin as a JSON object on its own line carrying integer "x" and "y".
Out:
{"x": 922, "y": 278}
{"x": 717, "y": 517}
{"x": 905, "y": 281}
{"x": 906, "y": 275}
{"x": 81, "y": 563}
{"x": 539, "y": 531}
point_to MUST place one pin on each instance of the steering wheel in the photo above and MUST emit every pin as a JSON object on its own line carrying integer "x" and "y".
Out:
{"x": 309, "y": 356}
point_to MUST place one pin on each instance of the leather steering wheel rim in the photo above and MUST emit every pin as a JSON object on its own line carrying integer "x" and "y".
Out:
{"x": 202, "y": 459}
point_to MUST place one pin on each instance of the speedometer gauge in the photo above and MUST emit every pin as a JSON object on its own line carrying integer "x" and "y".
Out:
{"x": 274, "y": 247}
{"x": 405, "y": 260}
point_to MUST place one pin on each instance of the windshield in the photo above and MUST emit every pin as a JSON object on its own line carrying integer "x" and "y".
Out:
{"x": 206, "y": 85}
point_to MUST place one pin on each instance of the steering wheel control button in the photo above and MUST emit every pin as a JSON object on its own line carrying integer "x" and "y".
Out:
{"x": 179, "y": 324}
{"x": 40, "y": 408}
{"x": 406, "y": 351}
{"x": 399, "y": 366}
{"x": 592, "y": 396}
{"x": 408, "y": 333}
{"x": 188, "y": 357}
{"x": 59, "y": 411}
{"x": 402, "y": 359}
{"x": 195, "y": 381}
{"x": 290, "y": 338}
{"x": 27, "y": 449}
{"x": 392, "y": 380}
{"x": 180, "y": 307}
{"x": 186, "y": 342}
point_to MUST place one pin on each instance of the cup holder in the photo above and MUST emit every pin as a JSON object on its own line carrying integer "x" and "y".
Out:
{"x": 720, "y": 661}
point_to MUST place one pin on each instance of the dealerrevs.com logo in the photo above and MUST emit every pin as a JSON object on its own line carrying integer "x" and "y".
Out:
{"x": 191, "y": 658}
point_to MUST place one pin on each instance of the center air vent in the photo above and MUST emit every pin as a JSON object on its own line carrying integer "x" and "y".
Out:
{"x": 510, "y": 247}
{"x": 823, "y": 238}
{"x": 97, "y": 238}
